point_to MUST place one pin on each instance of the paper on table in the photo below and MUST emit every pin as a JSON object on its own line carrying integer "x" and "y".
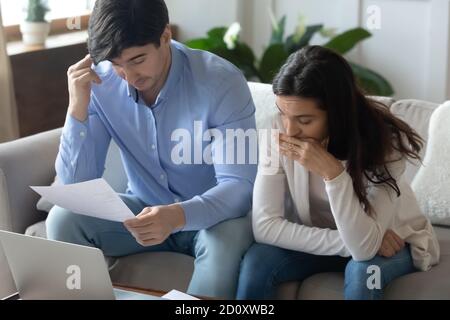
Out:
{"x": 177, "y": 295}
{"x": 93, "y": 198}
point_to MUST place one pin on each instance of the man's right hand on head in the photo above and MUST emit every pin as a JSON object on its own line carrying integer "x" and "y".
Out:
{"x": 80, "y": 76}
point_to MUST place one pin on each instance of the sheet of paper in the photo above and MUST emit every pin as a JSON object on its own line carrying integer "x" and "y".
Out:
{"x": 177, "y": 295}
{"x": 93, "y": 198}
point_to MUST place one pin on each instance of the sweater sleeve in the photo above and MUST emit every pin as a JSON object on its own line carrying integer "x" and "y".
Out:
{"x": 269, "y": 222}
{"x": 361, "y": 233}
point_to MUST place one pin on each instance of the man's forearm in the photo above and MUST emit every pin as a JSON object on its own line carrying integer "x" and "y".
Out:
{"x": 227, "y": 200}
{"x": 177, "y": 219}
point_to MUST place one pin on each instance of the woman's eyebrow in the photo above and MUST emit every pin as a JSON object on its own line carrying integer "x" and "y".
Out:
{"x": 299, "y": 116}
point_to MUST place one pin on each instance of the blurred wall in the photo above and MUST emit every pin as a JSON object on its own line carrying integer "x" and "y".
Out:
{"x": 411, "y": 48}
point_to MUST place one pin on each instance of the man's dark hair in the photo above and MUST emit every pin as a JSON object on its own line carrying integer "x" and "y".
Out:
{"x": 116, "y": 25}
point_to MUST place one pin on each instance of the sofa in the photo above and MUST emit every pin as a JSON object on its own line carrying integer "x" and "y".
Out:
{"x": 30, "y": 161}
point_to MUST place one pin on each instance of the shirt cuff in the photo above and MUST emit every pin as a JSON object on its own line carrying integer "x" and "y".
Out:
{"x": 74, "y": 135}
{"x": 75, "y": 130}
{"x": 192, "y": 212}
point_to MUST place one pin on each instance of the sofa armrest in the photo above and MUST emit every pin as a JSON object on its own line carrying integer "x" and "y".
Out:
{"x": 25, "y": 162}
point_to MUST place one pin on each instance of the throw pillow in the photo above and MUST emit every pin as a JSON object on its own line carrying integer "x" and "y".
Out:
{"x": 432, "y": 182}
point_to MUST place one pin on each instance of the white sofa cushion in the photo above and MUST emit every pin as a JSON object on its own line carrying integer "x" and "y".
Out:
{"x": 417, "y": 114}
{"x": 38, "y": 229}
{"x": 264, "y": 100}
{"x": 432, "y": 182}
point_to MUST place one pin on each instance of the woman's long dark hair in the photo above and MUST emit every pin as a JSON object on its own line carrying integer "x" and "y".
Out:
{"x": 361, "y": 131}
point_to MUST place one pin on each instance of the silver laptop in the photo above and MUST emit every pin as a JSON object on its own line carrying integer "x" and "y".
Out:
{"x": 52, "y": 270}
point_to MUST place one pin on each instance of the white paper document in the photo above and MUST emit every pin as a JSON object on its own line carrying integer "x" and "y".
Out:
{"x": 93, "y": 198}
{"x": 177, "y": 295}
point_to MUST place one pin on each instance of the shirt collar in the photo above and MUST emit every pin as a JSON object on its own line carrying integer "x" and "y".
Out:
{"x": 174, "y": 74}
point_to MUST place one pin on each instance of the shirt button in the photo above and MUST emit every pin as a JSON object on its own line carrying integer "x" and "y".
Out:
{"x": 153, "y": 147}
{"x": 82, "y": 134}
{"x": 162, "y": 177}
{"x": 177, "y": 200}
{"x": 73, "y": 163}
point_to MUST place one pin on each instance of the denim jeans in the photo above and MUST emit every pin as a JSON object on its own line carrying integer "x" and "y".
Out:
{"x": 218, "y": 251}
{"x": 265, "y": 267}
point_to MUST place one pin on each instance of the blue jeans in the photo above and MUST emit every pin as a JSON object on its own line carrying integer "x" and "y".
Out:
{"x": 265, "y": 267}
{"x": 218, "y": 251}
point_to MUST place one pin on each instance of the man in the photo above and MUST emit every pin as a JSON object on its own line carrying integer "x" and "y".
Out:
{"x": 142, "y": 89}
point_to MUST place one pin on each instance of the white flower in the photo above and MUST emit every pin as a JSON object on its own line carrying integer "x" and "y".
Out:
{"x": 275, "y": 25}
{"x": 300, "y": 30}
{"x": 232, "y": 35}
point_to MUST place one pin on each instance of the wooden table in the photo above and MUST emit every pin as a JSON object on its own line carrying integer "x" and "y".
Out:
{"x": 157, "y": 293}
{"x": 153, "y": 292}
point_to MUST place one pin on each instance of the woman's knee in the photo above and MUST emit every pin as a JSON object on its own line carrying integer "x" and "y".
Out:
{"x": 257, "y": 272}
{"x": 252, "y": 260}
{"x": 358, "y": 270}
{"x": 365, "y": 280}
{"x": 380, "y": 269}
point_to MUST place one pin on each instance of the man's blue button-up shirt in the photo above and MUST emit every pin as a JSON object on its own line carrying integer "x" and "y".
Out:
{"x": 202, "y": 93}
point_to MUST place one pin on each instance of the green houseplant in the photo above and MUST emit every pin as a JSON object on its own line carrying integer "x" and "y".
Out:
{"x": 35, "y": 28}
{"x": 225, "y": 42}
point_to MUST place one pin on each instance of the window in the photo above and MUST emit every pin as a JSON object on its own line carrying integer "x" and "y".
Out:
{"x": 13, "y": 11}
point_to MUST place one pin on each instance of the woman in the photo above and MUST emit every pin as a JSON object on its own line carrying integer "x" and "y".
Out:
{"x": 341, "y": 160}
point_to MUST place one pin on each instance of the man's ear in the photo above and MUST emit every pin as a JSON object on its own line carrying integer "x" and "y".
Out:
{"x": 167, "y": 35}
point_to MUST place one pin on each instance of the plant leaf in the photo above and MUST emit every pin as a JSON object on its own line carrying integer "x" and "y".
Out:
{"x": 201, "y": 44}
{"x": 328, "y": 32}
{"x": 216, "y": 35}
{"x": 300, "y": 29}
{"x": 292, "y": 45}
{"x": 372, "y": 82}
{"x": 344, "y": 42}
{"x": 278, "y": 32}
{"x": 245, "y": 52}
{"x": 274, "y": 57}
{"x": 242, "y": 57}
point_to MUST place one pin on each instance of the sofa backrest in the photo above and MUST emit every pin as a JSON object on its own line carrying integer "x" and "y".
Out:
{"x": 416, "y": 113}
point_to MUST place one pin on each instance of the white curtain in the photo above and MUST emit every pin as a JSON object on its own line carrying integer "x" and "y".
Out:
{"x": 9, "y": 128}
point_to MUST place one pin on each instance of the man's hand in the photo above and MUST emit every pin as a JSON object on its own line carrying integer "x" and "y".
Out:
{"x": 155, "y": 224}
{"x": 312, "y": 155}
{"x": 391, "y": 244}
{"x": 80, "y": 76}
